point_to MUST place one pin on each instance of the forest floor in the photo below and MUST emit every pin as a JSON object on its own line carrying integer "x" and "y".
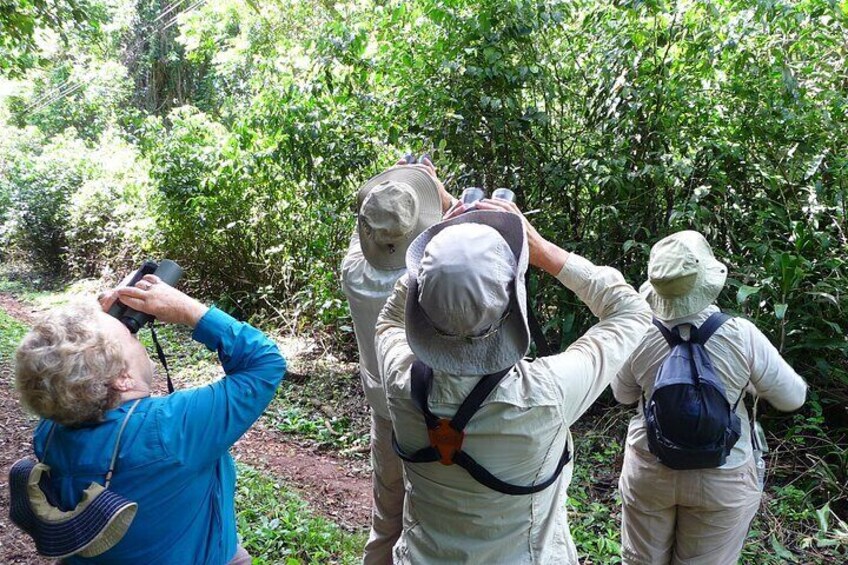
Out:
{"x": 303, "y": 494}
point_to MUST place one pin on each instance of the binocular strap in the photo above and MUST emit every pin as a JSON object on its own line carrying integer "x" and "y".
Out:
{"x": 446, "y": 436}
{"x": 161, "y": 355}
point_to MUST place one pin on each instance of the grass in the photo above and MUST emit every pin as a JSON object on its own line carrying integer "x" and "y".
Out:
{"x": 11, "y": 334}
{"x": 276, "y": 526}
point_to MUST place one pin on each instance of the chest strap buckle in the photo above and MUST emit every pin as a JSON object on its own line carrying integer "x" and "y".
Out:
{"x": 446, "y": 440}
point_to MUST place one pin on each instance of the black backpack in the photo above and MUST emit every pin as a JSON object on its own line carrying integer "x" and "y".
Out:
{"x": 690, "y": 422}
{"x": 446, "y": 436}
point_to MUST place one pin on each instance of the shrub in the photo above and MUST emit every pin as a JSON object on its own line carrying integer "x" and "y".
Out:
{"x": 110, "y": 222}
{"x": 40, "y": 181}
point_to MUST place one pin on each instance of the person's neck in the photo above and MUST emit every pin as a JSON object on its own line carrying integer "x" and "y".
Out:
{"x": 128, "y": 395}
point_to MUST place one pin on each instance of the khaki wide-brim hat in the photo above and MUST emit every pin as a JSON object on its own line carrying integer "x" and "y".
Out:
{"x": 411, "y": 205}
{"x": 494, "y": 351}
{"x": 684, "y": 277}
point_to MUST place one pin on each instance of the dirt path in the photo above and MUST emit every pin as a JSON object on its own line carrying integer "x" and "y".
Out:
{"x": 15, "y": 436}
{"x": 339, "y": 489}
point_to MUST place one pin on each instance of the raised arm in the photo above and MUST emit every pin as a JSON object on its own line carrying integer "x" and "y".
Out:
{"x": 585, "y": 369}
{"x": 771, "y": 376}
{"x": 204, "y": 422}
{"x": 625, "y": 389}
{"x": 199, "y": 425}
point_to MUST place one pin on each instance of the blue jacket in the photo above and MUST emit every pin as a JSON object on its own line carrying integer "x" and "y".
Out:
{"x": 174, "y": 460}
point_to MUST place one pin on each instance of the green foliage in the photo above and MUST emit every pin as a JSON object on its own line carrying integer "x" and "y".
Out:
{"x": 11, "y": 334}
{"x": 276, "y": 526}
{"x": 74, "y": 210}
{"x": 40, "y": 181}
{"x": 110, "y": 227}
{"x": 20, "y": 20}
{"x": 90, "y": 96}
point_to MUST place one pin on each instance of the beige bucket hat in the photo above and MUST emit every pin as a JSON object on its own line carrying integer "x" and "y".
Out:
{"x": 466, "y": 311}
{"x": 394, "y": 207}
{"x": 684, "y": 277}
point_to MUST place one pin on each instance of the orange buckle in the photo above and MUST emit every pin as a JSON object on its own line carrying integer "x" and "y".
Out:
{"x": 446, "y": 440}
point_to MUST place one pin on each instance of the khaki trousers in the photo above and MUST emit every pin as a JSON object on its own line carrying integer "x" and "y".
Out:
{"x": 698, "y": 517}
{"x": 388, "y": 491}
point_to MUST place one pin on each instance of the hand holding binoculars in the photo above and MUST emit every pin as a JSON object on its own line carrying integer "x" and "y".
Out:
{"x": 472, "y": 194}
{"x": 168, "y": 271}
{"x": 411, "y": 159}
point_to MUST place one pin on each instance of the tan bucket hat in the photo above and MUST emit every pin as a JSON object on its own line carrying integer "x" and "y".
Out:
{"x": 394, "y": 207}
{"x": 684, "y": 277}
{"x": 466, "y": 311}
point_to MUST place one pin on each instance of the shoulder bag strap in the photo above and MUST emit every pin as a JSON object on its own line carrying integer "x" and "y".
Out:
{"x": 422, "y": 382}
{"x": 118, "y": 443}
{"x": 484, "y": 477}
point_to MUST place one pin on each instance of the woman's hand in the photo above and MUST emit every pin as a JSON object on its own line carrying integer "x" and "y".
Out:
{"x": 152, "y": 296}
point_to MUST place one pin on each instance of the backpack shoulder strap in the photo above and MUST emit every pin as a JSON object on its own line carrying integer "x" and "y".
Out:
{"x": 671, "y": 336}
{"x": 709, "y": 327}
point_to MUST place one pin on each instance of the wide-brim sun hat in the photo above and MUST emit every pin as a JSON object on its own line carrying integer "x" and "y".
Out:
{"x": 684, "y": 277}
{"x": 98, "y": 523}
{"x": 507, "y": 340}
{"x": 394, "y": 207}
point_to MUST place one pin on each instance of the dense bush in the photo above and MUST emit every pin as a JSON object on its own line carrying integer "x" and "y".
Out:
{"x": 620, "y": 122}
{"x": 40, "y": 181}
{"x": 110, "y": 223}
{"x": 71, "y": 209}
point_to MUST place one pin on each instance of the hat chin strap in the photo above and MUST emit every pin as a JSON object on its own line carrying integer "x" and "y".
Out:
{"x": 488, "y": 331}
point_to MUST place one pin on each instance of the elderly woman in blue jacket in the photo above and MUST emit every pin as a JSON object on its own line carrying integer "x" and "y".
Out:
{"x": 89, "y": 379}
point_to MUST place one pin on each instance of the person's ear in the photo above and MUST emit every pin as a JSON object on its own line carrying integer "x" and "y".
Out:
{"x": 123, "y": 383}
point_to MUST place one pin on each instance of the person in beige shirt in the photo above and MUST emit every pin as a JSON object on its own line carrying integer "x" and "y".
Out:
{"x": 393, "y": 208}
{"x": 461, "y": 310}
{"x": 698, "y": 516}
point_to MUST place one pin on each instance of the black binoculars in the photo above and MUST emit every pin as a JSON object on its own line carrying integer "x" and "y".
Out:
{"x": 472, "y": 194}
{"x": 167, "y": 270}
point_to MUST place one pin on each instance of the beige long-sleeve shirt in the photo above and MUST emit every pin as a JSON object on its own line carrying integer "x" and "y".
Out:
{"x": 739, "y": 352}
{"x": 518, "y": 434}
{"x": 367, "y": 289}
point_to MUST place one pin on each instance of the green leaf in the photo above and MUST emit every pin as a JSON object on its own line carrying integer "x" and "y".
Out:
{"x": 781, "y": 551}
{"x": 780, "y": 310}
{"x": 827, "y": 296}
{"x": 744, "y": 292}
{"x": 823, "y": 516}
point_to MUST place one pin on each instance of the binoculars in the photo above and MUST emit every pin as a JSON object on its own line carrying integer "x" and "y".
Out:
{"x": 167, "y": 270}
{"x": 472, "y": 194}
{"x": 411, "y": 159}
